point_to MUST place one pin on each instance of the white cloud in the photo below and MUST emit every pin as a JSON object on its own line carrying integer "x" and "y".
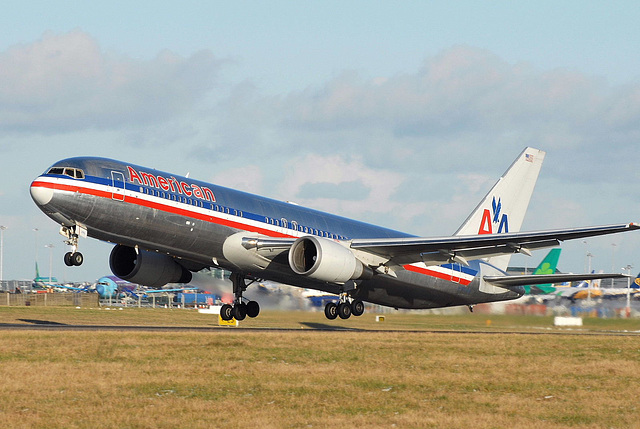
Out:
{"x": 247, "y": 178}
{"x": 375, "y": 188}
{"x": 470, "y": 100}
{"x": 66, "y": 82}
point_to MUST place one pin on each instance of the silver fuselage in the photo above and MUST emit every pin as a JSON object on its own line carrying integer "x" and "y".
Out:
{"x": 192, "y": 220}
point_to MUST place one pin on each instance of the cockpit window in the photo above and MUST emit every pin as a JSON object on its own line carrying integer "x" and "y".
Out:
{"x": 76, "y": 173}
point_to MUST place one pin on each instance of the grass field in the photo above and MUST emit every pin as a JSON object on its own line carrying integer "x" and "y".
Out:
{"x": 229, "y": 377}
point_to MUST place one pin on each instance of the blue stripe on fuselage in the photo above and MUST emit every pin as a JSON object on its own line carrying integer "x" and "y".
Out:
{"x": 241, "y": 204}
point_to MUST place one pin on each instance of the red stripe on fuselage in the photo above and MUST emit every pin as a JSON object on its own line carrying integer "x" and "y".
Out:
{"x": 437, "y": 274}
{"x": 159, "y": 206}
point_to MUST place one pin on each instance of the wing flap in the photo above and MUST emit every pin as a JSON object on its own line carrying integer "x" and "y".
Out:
{"x": 439, "y": 249}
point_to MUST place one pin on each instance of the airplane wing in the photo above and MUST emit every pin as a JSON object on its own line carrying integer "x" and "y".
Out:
{"x": 525, "y": 280}
{"x": 461, "y": 249}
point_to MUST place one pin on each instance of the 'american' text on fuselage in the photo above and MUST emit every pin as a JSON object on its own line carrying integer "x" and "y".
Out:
{"x": 170, "y": 184}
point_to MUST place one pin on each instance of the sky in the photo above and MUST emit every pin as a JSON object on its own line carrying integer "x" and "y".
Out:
{"x": 401, "y": 114}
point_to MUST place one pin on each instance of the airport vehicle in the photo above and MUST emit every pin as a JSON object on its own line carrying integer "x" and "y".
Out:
{"x": 166, "y": 226}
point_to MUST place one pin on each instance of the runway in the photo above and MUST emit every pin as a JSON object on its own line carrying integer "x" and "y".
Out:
{"x": 44, "y": 325}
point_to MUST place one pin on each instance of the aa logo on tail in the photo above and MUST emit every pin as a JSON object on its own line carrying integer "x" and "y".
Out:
{"x": 493, "y": 220}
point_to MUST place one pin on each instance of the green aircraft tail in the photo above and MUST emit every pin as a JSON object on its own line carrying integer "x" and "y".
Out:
{"x": 547, "y": 266}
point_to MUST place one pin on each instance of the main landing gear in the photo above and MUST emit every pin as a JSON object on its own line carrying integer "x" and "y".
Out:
{"x": 73, "y": 258}
{"x": 345, "y": 308}
{"x": 239, "y": 310}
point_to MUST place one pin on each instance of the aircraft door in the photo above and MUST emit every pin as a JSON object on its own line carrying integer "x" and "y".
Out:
{"x": 117, "y": 185}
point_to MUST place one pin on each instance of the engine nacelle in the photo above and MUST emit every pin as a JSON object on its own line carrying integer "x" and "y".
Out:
{"x": 325, "y": 260}
{"x": 146, "y": 268}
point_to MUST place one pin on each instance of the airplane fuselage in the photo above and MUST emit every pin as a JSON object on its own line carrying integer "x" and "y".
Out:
{"x": 204, "y": 225}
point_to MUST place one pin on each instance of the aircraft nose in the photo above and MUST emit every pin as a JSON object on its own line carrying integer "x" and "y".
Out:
{"x": 40, "y": 194}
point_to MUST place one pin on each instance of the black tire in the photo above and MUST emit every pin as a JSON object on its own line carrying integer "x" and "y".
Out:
{"x": 357, "y": 308}
{"x": 226, "y": 312}
{"x": 344, "y": 310}
{"x": 331, "y": 310}
{"x": 253, "y": 309}
{"x": 240, "y": 311}
{"x": 67, "y": 259}
{"x": 77, "y": 259}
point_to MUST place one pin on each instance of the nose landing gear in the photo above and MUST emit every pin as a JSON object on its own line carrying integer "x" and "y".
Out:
{"x": 73, "y": 258}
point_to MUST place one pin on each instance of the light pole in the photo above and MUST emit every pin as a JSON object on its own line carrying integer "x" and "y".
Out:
{"x": 589, "y": 256}
{"x": 628, "y": 268}
{"x": 50, "y": 246}
{"x": 613, "y": 259}
{"x": 2, "y": 228}
{"x": 36, "y": 230}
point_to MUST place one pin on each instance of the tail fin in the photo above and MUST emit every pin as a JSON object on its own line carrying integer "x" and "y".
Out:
{"x": 549, "y": 263}
{"x": 586, "y": 283}
{"x": 547, "y": 266}
{"x": 636, "y": 283}
{"x": 503, "y": 208}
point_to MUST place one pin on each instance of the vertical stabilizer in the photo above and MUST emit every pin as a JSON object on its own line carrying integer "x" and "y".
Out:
{"x": 547, "y": 266}
{"x": 503, "y": 208}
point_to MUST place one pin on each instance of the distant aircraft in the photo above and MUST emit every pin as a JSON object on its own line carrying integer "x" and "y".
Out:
{"x": 547, "y": 266}
{"x": 166, "y": 226}
{"x": 42, "y": 282}
{"x": 584, "y": 289}
{"x": 618, "y": 292}
{"x": 591, "y": 289}
{"x": 52, "y": 283}
{"x": 588, "y": 289}
{"x": 112, "y": 286}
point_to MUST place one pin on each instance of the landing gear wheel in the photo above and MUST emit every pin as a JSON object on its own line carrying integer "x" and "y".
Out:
{"x": 67, "y": 259}
{"x": 357, "y": 308}
{"x": 73, "y": 259}
{"x": 77, "y": 259}
{"x": 344, "y": 310}
{"x": 253, "y": 309}
{"x": 240, "y": 311}
{"x": 331, "y": 310}
{"x": 226, "y": 312}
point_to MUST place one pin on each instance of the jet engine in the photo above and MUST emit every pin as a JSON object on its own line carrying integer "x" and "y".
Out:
{"x": 146, "y": 268}
{"x": 325, "y": 260}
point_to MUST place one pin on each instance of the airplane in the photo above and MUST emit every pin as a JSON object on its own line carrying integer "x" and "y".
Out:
{"x": 589, "y": 290}
{"x": 111, "y": 287}
{"x": 586, "y": 289}
{"x": 547, "y": 266}
{"x": 166, "y": 226}
{"x": 45, "y": 284}
{"x": 618, "y": 292}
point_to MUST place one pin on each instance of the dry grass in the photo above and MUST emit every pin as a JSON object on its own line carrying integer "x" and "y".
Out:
{"x": 235, "y": 378}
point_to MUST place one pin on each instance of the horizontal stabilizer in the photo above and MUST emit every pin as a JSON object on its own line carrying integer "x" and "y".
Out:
{"x": 513, "y": 281}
